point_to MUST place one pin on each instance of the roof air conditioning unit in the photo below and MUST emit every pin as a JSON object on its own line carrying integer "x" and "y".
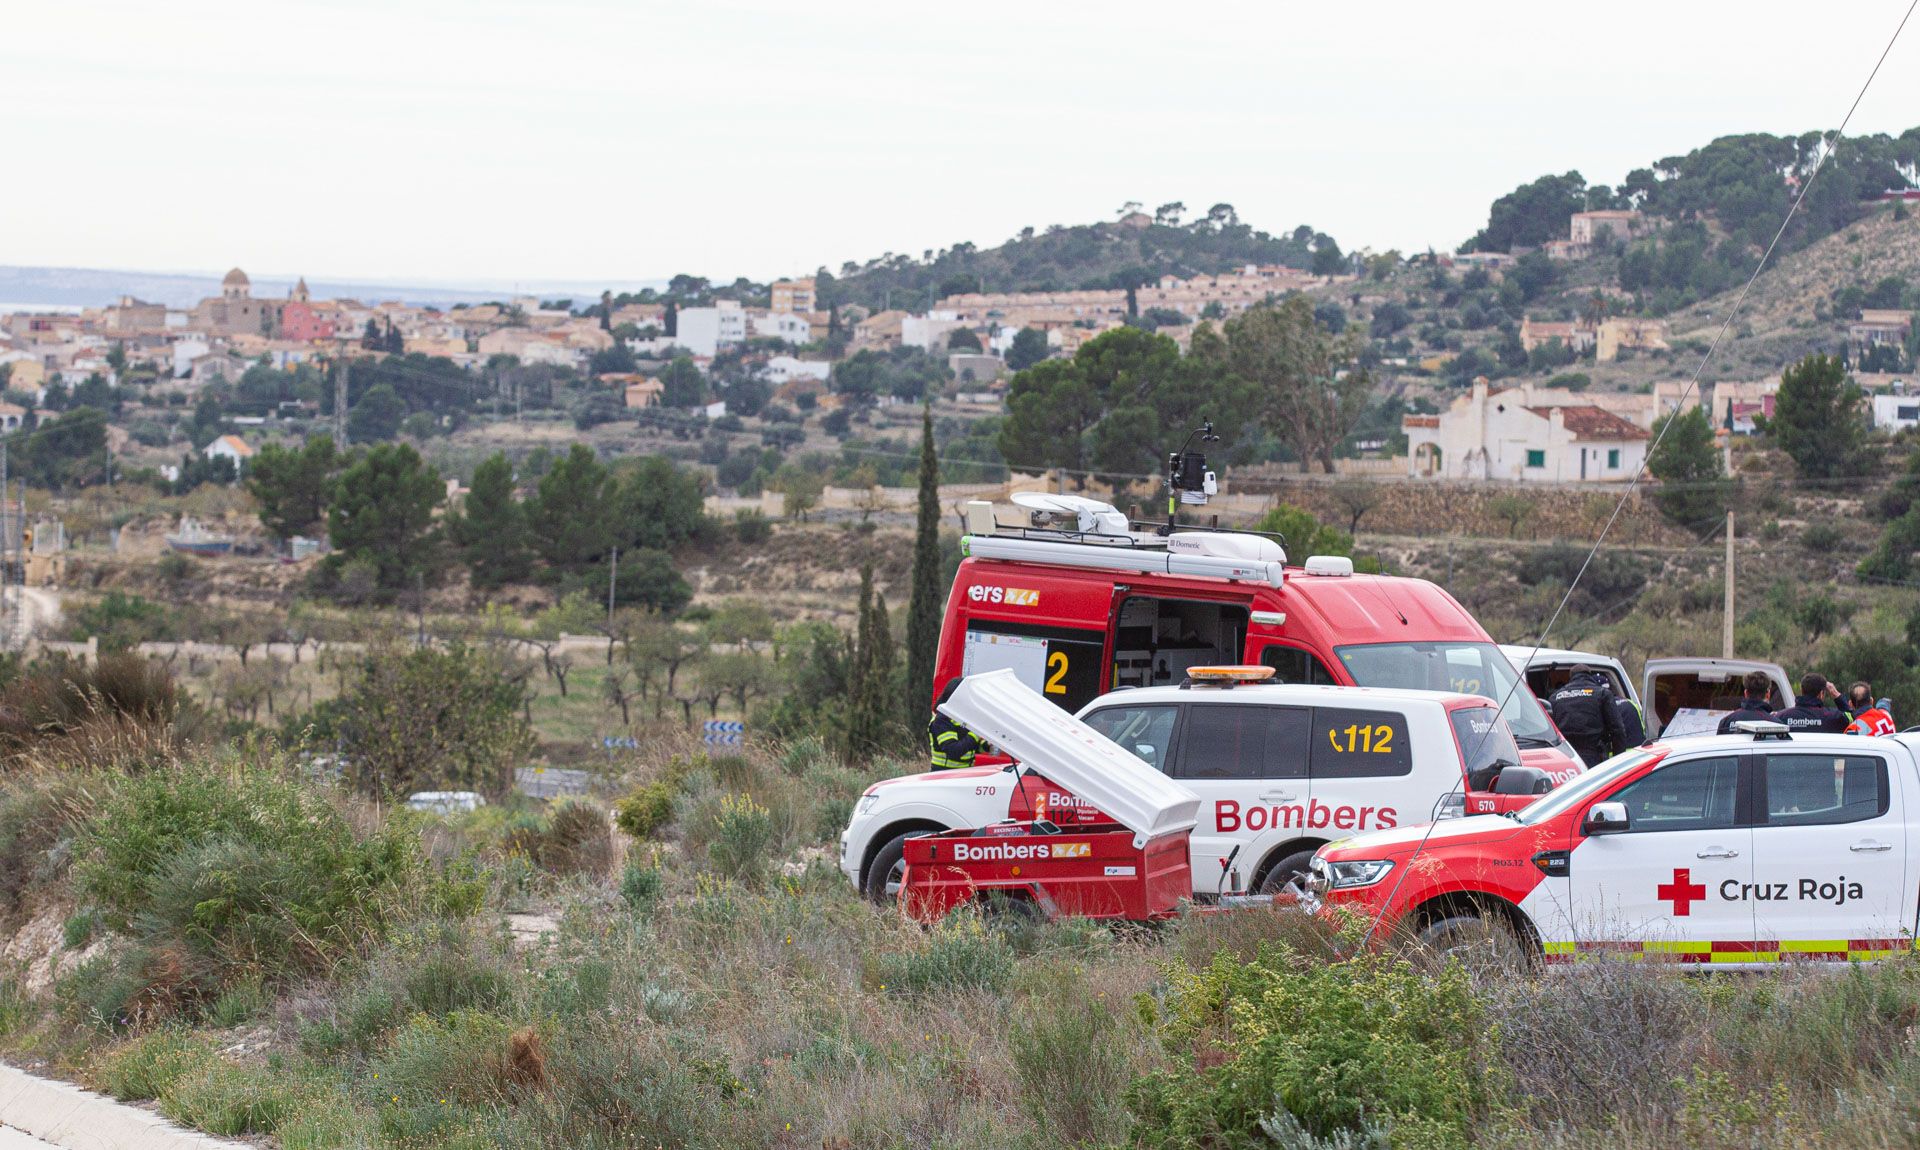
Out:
{"x": 1329, "y": 565}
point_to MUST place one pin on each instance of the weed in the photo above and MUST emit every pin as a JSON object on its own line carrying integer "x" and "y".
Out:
{"x": 221, "y": 1098}
{"x": 463, "y": 1058}
{"x": 241, "y": 1002}
{"x": 742, "y": 837}
{"x": 959, "y": 953}
{"x": 77, "y": 930}
{"x": 148, "y": 1066}
{"x": 1072, "y": 1066}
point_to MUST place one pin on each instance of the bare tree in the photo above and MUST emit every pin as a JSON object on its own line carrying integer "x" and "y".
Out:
{"x": 1356, "y": 497}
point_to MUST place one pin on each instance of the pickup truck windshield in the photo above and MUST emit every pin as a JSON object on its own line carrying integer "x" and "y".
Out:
{"x": 1466, "y": 668}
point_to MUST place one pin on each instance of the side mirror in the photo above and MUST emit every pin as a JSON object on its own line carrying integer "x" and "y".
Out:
{"x": 1522, "y": 781}
{"x": 1606, "y": 819}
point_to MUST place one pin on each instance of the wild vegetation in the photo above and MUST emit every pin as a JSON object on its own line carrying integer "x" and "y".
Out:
{"x": 257, "y": 949}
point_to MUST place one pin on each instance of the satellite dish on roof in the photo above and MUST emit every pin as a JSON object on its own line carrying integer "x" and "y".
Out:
{"x": 1089, "y": 515}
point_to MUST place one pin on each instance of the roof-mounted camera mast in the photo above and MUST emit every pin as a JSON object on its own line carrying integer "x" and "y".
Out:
{"x": 1188, "y": 480}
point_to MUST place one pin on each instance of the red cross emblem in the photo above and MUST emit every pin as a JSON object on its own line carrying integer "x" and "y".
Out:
{"x": 1682, "y": 892}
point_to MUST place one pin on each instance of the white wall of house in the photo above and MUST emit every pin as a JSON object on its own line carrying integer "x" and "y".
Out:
{"x": 705, "y": 330}
{"x": 1500, "y": 436}
{"x": 783, "y": 325}
{"x": 1896, "y": 412}
{"x": 787, "y": 368}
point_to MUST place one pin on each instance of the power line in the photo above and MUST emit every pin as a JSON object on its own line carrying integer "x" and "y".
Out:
{"x": 1826, "y": 151}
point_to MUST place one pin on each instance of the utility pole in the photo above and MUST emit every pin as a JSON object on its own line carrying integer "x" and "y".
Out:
{"x": 340, "y": 405}
{"x": 1726, "y": 621}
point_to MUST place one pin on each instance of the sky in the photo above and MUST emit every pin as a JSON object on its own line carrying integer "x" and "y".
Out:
{"x": 500, "y": 144}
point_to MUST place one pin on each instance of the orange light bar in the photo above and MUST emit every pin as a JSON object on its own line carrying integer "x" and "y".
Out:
{"x": 1235, "y": 673}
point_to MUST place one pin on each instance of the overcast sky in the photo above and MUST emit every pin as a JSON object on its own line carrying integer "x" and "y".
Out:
{"x": 498, "y": 143}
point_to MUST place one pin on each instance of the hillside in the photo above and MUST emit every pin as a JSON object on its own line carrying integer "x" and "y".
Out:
{"x": 1791, "y": 310}
{"x": 1103, "y": 255}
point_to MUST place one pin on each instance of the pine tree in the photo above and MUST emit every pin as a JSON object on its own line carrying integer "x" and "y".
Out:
{"x": 923, "y": 609}
{"x": 491, "y": 529}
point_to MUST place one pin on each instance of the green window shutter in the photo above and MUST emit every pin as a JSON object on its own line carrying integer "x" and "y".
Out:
{"x": 1613, "y": 458}
{"x": 1536, "y": 459}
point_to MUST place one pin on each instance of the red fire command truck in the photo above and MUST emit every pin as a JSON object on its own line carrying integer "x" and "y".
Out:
{"x": 1094, "y": 605}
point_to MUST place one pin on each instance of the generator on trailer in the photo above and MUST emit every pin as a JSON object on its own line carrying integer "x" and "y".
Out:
{"x": 1134, "y": 867}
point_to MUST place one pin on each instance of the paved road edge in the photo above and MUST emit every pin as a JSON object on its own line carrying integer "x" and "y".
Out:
{"x": 66, "y": 1115}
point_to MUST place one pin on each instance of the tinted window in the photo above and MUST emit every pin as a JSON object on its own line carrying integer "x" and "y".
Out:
{"x": 1235, "y": 742}
{"x": 1486, "y": 746}
{"x": 1351, "y": 744}
{"x": 1696, "y": 795}
{"x": 1146, "y": 731}
{"x": 1808, "y": 790}
{"x": 1292, "y": 665}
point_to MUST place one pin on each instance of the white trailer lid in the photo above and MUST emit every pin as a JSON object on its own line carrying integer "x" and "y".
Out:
{"x": 1001, "y": 709}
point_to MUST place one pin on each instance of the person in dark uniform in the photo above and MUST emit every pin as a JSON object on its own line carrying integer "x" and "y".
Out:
{"x": 1633, "y": 727}
{"x": 952, "y": 745}
{"x": 1584, "y": 711}
{"x": 1753, "y": 704}
{"x": 1813, "y": 708}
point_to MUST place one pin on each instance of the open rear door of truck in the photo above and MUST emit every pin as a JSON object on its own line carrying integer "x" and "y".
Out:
{"x": 1016, "y": 719}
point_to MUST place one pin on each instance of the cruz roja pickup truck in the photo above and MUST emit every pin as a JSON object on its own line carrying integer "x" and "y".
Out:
{"x": 1753, "y": 847}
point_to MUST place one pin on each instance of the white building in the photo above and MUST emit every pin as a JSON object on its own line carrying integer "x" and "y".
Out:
{"x": 705, "y": 330}
{"x": 1896, "y": 410}
{"x": 783, "y": 325}
{"x": 1490, "y": 434}
{"x": 231, "y": 448}
{"x": 185, "y": 352}
{"x": 929, "y": 332}
{"x": 786, "y": 368}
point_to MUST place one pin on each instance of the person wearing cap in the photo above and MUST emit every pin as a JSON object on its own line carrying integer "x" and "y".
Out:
{"x": 1584, "y": 710}
{"x": 1871, "y": 716}
{"x": 1813, "y": 708}
{"x": 952, "y": 745}
{"x": 1754, "y": 704}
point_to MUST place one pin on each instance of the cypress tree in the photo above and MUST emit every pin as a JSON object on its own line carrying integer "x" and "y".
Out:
{"x": 880, "y": 680}
{"x": 923, "y": 609}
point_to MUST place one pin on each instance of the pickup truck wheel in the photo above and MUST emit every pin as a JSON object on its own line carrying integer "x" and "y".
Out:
{"x": 889, "y": 867}
{"x": 1485, "y": 945}
{"x": 1292, "y": 868}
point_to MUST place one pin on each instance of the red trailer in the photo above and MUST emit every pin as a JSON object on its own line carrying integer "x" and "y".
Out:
{"x": 1134, "y": 868}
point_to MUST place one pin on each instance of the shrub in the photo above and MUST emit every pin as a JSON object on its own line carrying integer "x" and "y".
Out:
{"x": 640, "y": 886}
{"x": 577, "y": 840}
{"x": 958, "y": 954}
{"x": 752, "y": 527}
{"x": 646, "y": 810}
{"x": 742, "y": 837}
{"x": 1823, "y": 538}
{"x": 461, "y": 1058}
{"x": 1336, "y": 1045}
{"x": 38, "y": 812}
{"x": 242, "y": 872}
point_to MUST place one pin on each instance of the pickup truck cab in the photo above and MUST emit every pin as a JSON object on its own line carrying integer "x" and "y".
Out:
{"x": 1280, "y": 769}
{"x": 1752, "y": 847}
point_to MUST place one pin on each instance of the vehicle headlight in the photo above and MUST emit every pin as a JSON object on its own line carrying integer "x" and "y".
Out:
{"x": 1364, "y": 872}
{"x": 866, "y": 803}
